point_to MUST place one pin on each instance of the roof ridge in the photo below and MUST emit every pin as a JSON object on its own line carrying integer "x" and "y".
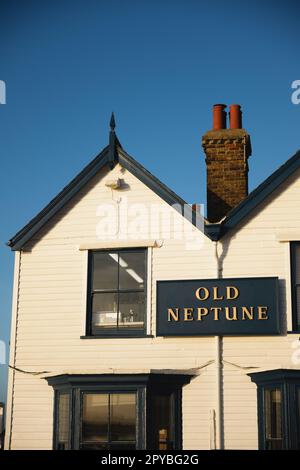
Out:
{"x": 113, "y": 153}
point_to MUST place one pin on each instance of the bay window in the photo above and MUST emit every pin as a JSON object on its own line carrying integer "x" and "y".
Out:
{"x": 117, "y": 411}
{"x": 278, "y": 402}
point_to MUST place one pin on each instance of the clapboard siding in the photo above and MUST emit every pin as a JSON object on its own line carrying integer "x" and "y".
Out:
{"x": 51, "y": 314}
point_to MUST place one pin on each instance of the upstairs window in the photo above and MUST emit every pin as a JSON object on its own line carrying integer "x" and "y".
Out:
{"x": 295, "y": 280}
{"x": 117, "y": 293}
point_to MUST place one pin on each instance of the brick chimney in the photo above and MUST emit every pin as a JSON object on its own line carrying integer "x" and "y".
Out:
{"x": 227, "y": 152}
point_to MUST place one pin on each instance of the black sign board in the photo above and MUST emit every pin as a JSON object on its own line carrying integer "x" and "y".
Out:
{"x": 247, "y": 306}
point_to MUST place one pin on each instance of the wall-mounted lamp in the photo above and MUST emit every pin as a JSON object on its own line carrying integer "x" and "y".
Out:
{"x": 114, "y": 184}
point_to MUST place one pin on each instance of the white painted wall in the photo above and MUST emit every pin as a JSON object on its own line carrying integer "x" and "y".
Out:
{"x": 49, "y": 311}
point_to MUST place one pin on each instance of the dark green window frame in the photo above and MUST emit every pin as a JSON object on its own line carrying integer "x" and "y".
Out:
{"x": 109, "y": 440}
{"x": 146, "y": 387}
{"x": 57, "y": 442}
{"x": 294, "y": 246}
{"x": 115, "y": 332}
{"x": 288, "y": 382}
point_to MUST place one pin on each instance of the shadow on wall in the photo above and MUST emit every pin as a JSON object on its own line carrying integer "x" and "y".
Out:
{"x": 224, "y": 243}
{"x": 282, "y": 305}
{"x": 220, "y": 207}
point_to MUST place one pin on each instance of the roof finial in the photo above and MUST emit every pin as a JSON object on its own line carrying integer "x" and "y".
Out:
{"x": 112, "y": 122}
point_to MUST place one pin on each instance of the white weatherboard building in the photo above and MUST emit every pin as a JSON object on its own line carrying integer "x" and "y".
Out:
{"x": 105, "y": 354}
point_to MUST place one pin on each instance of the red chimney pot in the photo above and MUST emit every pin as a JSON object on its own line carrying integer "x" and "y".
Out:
{"x": 235, "y": 116}
{"x": 219, "y": 117}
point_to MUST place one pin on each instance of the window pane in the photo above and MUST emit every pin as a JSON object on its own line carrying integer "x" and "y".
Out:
{"x": 95, "y": 417}
{"x": 63, "y": 417}
{"x": 132, "y": 270}
{"x": 105, "y": 271}
{"x": 108, "y": 421}
{"x": 104, "y": 311}
{"x": 273, "y": 419}
{"x": 122, "y": 416}
{"x": 132, "y": 310}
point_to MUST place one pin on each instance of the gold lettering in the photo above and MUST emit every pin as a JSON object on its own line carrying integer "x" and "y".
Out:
{"x": 202, "y": 311}
{"x": 188, "y": 314}
{"x": 205, "y": 291}
{"x": 215, "y": 294}
{"x": 171, "y": 313}
{"x": 232, "y": 292}
{"x": 247, "y": 312}
{"x": 233, "y": 316}
{"x": 216, "y": 311}
{"x": 262, "y": 312}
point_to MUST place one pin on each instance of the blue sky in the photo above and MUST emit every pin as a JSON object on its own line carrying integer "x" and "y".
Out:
{"x": 160, "y": 65}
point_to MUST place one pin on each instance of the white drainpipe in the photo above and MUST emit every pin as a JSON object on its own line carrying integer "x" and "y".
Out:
{"x": 218, "y": 364}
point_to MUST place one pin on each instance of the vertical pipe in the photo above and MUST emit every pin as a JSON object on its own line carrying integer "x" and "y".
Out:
{"x": 218, "y": 364}
{"x": 219, "y": 117}
{"x": 219, "y": 414}
{"x": 235, "y": 116}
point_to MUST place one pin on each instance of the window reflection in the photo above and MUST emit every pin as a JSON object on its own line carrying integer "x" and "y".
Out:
{"x": 132, "y": 270}
{"x": 105, "y": 271}
{"x": 108, "y": 421}
{"x": 273, "y": 417}
{"x": 95, "y": 417}
{"x": 105, "y": 311}
{"x": 122, "y": 417}
{"x": 131, "y": 310}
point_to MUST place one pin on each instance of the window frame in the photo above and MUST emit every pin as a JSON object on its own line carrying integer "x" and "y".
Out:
{"x": 110, "y": 389}
{"x": 115, "y": 332}
{"x": 175, "y": 414}
{"x": 262, "y": 416}
{"x": 59, "y": 391}
{"x": 142, "y": 384}
{"x": 295, "y": 313}
{"x": 288, "y": 381}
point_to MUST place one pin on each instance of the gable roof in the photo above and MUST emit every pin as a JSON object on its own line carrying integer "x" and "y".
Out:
{"x": 110, "y": 155}
{"x": 114, "y": 153}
